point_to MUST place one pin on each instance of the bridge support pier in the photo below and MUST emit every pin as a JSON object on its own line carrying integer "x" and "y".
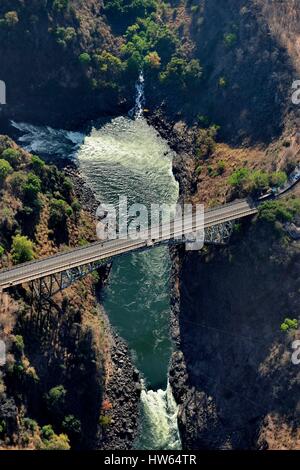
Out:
{"x": 45, "y": 288}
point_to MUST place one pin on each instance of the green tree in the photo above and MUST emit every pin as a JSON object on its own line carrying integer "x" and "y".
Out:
{"x": 5, "y": 169}
{"x": 289, "y": 324}
{"x": 19, "y": 343}
{"x": 72, "y": 425}
{"x": 13, "y": 156}
{"x": 85, "y": 58}
{"x": 148, "y": 43}
{"x": 37, "y": 164}
{"x": 56, "y": 399}
{"x": 109, "y": 68}
{"x": 258, "y": 182}
{"x": 59, "y": 211}
{"x": 31, "y": 187}
{"x": 16, "y": 182}
{"x": 153, "y": 60}
{"x": 47, "y": 432}
{"x": 230, "y": 39}
{"x": 57, "y": 442}
{"x": 238, "y": 177}
{"x": 279, "y": 210}
{"x": 30, "y": 424}
{"x": 76, "y": 206}
{"x": 2, "y": 251}
{"x": 60, "y": 5}
{"x": 222, "y": 82}
{"x": 278, "y": 178}
{"x": 206, "y": 141}
{"x": 182, "y": 73}
{"x": 64, "y": 36}
{"x": 22, "y": 249}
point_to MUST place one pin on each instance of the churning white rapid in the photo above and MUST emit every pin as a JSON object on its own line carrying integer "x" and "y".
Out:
{"x": 127, "y": 157}
{"x": 159, "y": 420}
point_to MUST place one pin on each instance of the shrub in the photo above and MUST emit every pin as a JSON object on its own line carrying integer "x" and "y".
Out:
{"x": 198, "y": 170}
{"x": 203, "y": 120}
{"x": 60, "y": 5}
{"x": 57, "y": 442}
{"x": 71, "y": 424}
{"x": 130, "y": 9}
{"x": 19, "y": 343}
{"x": 67, "y": 187}
{"x": 194, "y": 8}
{"x": 230, "y": 39}
{"x": 110, "y": 69}
{"x": 108, "y": 63}
{"x": 56, "y": 398}
{"x": 278, "y": 178}
{"x": 205, "y": 142}
{"x": 105, "y": 420}
{"x": 64, "y": 35}
{"x": 47, "y": 432}
{"x": 282, "y": 211}
{"x": 13, "y": 156}
{"x": 182, "y": 73}
{"x": 238, "y": 177}
{"x": 106, "y": 405}
{"x": 22, "y": 249}
{"x": 37, "y": 164}
{"x": 5, "y": 169}
{"x": 2, "y": 426}
{"x": 148, "y": 43}
{"x": 30, "y": 424}
{"x": 289, "y": 324}
{"x": 31, "y": 187}
{"x": 221, "y": 167}
{"x": 2, "y": 251}
{"x": 32, "y": 374}
{"x": 258, "y": 182}
{"x": 152, "y": 60}
{"x": 222, "y": 82}
{"x": 85, "y": 58}
{"x": 17, "y": 181}
{"x": 76, "y": 206}
{"x": 59, "y": 211}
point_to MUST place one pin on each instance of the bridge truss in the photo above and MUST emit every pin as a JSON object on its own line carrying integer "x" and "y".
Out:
{"x": 219, "y": 234}
{"x": 45, "y": 288}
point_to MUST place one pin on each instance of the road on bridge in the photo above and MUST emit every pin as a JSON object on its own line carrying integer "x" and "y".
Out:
{"x": 103, "y": 250}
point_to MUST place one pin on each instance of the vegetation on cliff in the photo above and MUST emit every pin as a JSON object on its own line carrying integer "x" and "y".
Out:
{"x": 52, "y": 384}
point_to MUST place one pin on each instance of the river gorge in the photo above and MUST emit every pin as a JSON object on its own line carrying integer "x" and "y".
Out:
{"x": 125, "y": 156}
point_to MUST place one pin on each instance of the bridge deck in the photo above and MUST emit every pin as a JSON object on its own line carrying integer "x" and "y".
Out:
{"x": 102, "y": 250}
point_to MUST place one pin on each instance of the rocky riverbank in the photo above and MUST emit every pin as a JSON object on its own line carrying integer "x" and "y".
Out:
{"x": 122, "y": 380}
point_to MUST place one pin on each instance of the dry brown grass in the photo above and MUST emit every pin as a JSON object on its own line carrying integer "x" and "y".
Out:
{"x": 283, "y": 18}
{"x": 278, "y": 434}
{"x": 213, "y": 188}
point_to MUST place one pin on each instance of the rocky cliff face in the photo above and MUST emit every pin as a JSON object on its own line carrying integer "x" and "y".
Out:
{"x": 232, "y": 373}
{"x": 247, "y": 70}
{"x": 52, "y": 65}
{"x": 40, "y": 48}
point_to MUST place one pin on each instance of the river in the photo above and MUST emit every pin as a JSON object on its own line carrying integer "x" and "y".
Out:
{"x": 127, "y": 157}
